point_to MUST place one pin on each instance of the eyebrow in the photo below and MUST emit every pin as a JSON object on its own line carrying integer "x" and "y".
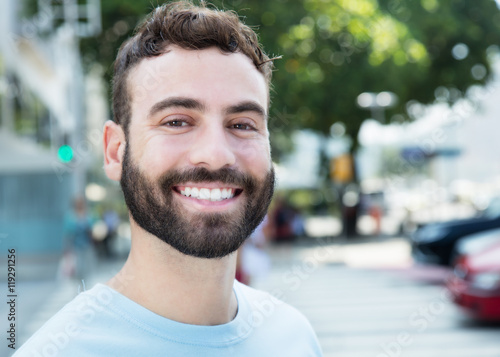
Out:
{"x": 182, "y": 102}
{"x": 190, "y": 103}
{"x": 246, "y": 106}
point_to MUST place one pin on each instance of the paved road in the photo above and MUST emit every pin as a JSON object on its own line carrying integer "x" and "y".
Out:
{"x": 377, "y": 304}
{"x": 363, "y": 299}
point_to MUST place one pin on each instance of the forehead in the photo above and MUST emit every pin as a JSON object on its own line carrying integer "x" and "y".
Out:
{"x": 208, "y": 75}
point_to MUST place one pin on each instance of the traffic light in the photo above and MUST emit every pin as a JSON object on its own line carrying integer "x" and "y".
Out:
{"x": 65, "y": 153}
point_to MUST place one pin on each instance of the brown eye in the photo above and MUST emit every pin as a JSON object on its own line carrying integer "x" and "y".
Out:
{"x": 243, "y": 127}
{"x": 176, "y": 123}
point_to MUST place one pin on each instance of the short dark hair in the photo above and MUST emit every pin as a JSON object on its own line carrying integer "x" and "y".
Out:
{"x": 189, "y": 27}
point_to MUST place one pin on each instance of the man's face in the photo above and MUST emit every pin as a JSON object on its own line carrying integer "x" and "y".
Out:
{"x": 197, "y": 171}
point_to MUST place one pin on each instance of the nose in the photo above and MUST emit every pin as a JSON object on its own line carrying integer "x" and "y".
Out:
{"x": 212, "y": 148}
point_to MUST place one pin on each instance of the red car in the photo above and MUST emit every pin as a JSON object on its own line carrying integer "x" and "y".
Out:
{"x": 475, "y": 285}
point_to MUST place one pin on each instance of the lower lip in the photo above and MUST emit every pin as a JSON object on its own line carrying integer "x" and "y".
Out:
{"x": 204, "y": 205}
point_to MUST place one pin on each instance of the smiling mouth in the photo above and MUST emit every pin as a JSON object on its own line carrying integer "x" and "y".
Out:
{"x": 208, "y": 194}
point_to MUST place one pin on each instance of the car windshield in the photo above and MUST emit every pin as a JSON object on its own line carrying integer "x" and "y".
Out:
{"x": 493, "y": 210}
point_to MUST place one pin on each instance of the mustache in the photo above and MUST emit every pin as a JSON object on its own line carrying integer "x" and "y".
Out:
{"x": 225, "y": 175}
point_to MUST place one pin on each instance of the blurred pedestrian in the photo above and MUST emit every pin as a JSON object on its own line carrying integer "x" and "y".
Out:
{"x": 376, "y": 214}
{"x": 112, "y": 220}
{"x": 298, "y": 224}
{"x": 282, "y": 219}
{"x": 78, "y": 249}
{"x": 253, "y": 260}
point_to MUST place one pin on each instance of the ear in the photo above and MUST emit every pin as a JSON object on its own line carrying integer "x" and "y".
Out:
{"x": 114, "y": 149}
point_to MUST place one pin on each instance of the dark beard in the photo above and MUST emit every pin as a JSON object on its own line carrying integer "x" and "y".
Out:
{"x": 203, "y": 235}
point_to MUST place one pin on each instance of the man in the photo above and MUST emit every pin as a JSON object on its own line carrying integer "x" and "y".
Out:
{"x": 190, "y": 147}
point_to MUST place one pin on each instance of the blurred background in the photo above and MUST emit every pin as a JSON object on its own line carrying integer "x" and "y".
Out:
{"x": 384, "y": 122}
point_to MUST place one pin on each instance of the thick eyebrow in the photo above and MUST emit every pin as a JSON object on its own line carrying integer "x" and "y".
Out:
{"x": 182, "y": 102}
{"x": 190, "y": 103}
{"x": 247, "y": 106}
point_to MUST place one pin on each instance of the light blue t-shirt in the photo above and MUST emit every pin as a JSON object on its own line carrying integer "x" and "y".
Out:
{"x": 103, "y": 322}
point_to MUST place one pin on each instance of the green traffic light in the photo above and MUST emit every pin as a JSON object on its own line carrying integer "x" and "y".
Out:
{"x": 65, "y": 153}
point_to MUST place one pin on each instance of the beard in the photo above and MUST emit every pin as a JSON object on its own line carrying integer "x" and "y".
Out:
{"x": 204, "y": 235}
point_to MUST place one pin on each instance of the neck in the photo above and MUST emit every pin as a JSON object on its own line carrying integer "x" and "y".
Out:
{"x": 186, "y": 289}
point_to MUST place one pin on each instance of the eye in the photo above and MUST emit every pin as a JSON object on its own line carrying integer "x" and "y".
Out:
{"x": 243, "y": 126}
{"x": 176, "y": 123}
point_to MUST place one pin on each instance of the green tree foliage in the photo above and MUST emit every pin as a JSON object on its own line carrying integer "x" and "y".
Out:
{"x": 333, "y": 50}
{"x": 336, "y": 49}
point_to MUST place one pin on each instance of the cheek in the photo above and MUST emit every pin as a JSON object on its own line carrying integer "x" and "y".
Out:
{"x": 162, "y": 153}
{"x": 256, "y": 155}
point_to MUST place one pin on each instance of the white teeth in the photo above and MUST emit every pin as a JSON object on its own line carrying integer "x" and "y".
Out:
{"x": 215, "y": 194}
{"x": 204, "y": 194}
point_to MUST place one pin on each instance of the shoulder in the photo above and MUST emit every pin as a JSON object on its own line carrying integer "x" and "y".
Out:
{"x": 78, "y": 322}
{"x": 267, "y": 314}
{"x": 266, "y": 302}
{"x": 274, "y": 312}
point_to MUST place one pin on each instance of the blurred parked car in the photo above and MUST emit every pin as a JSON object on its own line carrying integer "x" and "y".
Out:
{"x": 475, "y": 285}
{"x": 475, "y": 243}
{"x": 434, "y": 243}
